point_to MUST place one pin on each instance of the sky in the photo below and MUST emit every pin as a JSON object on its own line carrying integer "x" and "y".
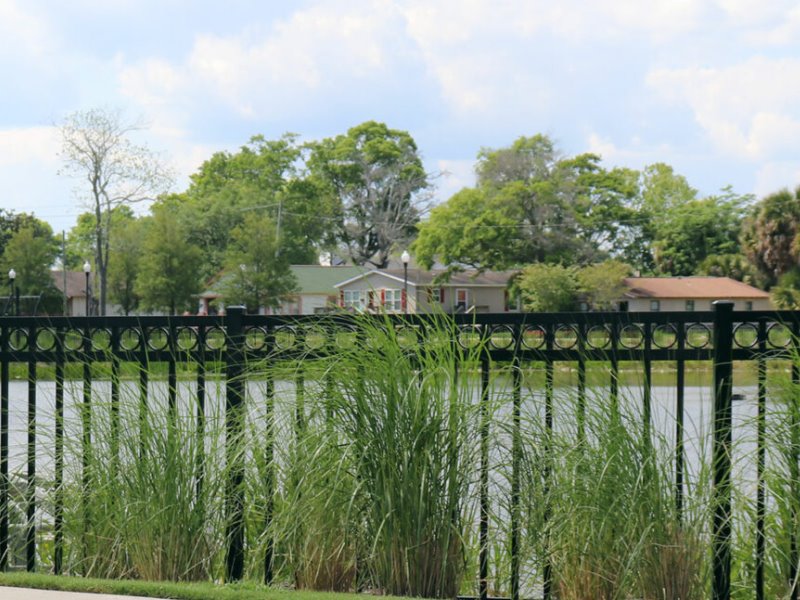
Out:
{"x": 711, "y": 87}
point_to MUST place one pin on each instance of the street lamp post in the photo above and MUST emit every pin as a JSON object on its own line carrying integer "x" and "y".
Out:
{"x": 405, "y": 257}
{"x": 87, "y": 269}
{"x": 14, "y": 297}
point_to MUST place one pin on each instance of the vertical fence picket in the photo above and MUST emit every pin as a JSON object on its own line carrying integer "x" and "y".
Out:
{"x": 516, "y": 459}
{"x": 547, "y": 571}
{"x": 721, "y": 452}
{"x": 30, "y": 483}
{"x": 794, "y": 467}
{"x": 58, "y": 524}
{"x": 761, "y": 458}
{"x": 680, "y": 383}
{"x": 200, "y": 415}
{"x": 234, "y": 454}
{"x": 86, "y": 441}
{"x": 269, "y": 465}
{"x": 483, "y": 536}
{"x": 4, "y": 450}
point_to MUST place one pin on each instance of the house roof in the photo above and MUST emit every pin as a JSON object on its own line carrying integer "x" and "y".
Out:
{"x": 315, "y": 279}
{"x": 311, "y": 279}
{"x": 420, "y": 277}
{"x": 711, "y": 288}
{"x": 76, "y": 283}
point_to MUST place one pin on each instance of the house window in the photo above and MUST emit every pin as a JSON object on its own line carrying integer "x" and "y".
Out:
{"x": 435, "y": 295}
{"x": 689, "y": 305}
{"x": 748, "y": 305}
{"x": 462, "y": 298}
{"x": 655, "y": 305}
{"x": 355, "y": 299}
{"x": 393, "y": 300}
{"x": 583, "y": 306}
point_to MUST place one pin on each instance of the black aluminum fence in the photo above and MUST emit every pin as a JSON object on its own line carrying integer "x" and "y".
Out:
{"x": 720, "y": 336}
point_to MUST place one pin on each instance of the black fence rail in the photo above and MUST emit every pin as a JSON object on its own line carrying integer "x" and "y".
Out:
{"x": 720, "y": 336}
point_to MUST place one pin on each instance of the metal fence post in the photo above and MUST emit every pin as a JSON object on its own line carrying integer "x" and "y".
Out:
{"x": 234, "y": 430}
{"x": 723, "y": 389}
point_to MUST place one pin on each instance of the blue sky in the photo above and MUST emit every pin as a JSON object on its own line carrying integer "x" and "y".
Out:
{"x": 711, "y": 87}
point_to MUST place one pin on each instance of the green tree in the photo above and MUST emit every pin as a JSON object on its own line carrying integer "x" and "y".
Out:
{"x": 530, "y": 205}
{"x": 734, "y": 265}
{"x": 31, "y": 252}
{"x": 11, "y": 223}
{"x": 548, "y": 288}
{"x": 697, "y": 229}
{"x": 256, "y": 275}
{"x": 123, "y": 265}
{"x": 113, "y": 171}
{"x": 169, "y": 268}
{"x": 769, "y": 235}
{"x": 264, "y": 177}
{"x": 602, "y": 284}
{"x": 376, "y": 176}
{"x": 661, "y": 192}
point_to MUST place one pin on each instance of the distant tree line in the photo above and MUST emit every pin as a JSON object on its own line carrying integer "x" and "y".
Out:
{"x": 364, "y": 195}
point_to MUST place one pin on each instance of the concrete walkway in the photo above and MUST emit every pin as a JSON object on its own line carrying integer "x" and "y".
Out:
{"x": 14, "y": 593}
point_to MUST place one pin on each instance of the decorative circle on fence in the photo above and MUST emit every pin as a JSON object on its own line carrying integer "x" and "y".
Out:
{"x": 130, "y": 339}
{"x": 598, "y": 337}
{"x": 73, "y": 340}
{"x": 631, "y": 336}
{"x": 186, "y": 338}
{"x": 255, "y": 338}
{"x": 407, "y": 337}
{"x": 157, "y": 338}
{"x": 469, "y": 336}
{"x": 501, "y": 337}
{"x": 698, "y": 336}
{"x": 18, "y": 340}
{"x": 345, "y": 339}
{"x": 779, "y": 335}
{"x": 215, "y": 338}
{"x": 45, "y": 339}
{"x": 566, "y": 337}
{"x": 534, "y": 337}
{"x": 745, "y": 335}
{"x": 665, "y": 336}
{"x": 285, "y": 338}
{"x": 101, "y": 340}
{"x": 315, "y": 338}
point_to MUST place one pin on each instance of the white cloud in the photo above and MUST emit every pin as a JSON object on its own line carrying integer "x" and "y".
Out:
{"x": 23, "y": 33}
{"x": 33, "y": 144}
{"x": 322, "y": 50}
{"x": 749, "y": 110}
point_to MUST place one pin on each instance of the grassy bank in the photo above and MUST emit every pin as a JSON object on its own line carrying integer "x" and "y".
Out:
{"x": 164, "y": 589}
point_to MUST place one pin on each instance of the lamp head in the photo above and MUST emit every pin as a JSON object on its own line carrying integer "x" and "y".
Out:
{"x": 405, "y": 257}
{"x": 12, "y": 274}
{"x": 87, "y": 267}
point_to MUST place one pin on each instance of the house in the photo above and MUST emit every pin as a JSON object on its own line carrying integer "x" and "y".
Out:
{"x": 316, "y": 292}
{"x": 72, "y": 285}
{"x": 654, "y": 294}
{"x": 468, "y": 291}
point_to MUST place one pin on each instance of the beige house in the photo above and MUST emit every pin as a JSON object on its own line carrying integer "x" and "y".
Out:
{"x": 316, "y": 292}
{"x": 384, "y": 291}
{"x": 664, "y": 294}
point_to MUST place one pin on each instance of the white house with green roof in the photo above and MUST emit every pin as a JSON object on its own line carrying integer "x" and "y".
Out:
{"x": 316, "y": 290}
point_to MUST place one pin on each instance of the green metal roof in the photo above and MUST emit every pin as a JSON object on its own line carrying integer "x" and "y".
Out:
{"x": 314, "y": 279}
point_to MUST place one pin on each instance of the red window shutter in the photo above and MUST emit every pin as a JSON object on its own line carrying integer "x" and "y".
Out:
{"x": 505, "y": 300}
{"x": 341, "y": 298}
{"x": 441, "y": 295}
{"x": 383, "y": 297}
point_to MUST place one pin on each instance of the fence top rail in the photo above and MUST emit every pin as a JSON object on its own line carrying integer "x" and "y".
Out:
{"x": 505, "y": 336}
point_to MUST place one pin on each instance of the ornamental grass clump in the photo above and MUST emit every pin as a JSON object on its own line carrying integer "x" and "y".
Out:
{"x": 150, "y": 508}
{"x": 403, "y": 422}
